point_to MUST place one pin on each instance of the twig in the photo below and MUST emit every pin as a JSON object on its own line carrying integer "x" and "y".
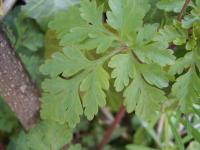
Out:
{"x": 160, "y": 125}
{"x": 110, "y": 130}
{"x": 108, "y": 115}
{"x": 7, "y": 5}
{"x": 180, "y": 16}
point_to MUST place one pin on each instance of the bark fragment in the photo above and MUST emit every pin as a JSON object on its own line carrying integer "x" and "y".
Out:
{"x": 16, "y": 86}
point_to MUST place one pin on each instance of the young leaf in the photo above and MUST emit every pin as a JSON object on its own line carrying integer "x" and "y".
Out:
{"x": 155, "y": 53}
{"x": 91, "y": 13}
{"x": 181, "y": 64}
{"x": 172, "y": 33}
{"x": 154, "y": 75}
{"x": 66, "y": 20}
{"x": 123, "y": 70}
{"x": 93, "y": 86}
{"x": 91, "y": 35}
{"x": 143, "y": 98}
{"x": 127, "y": 16}
{"x": 186, "y": 89}
{"x": 146, "y": 34}
{"x": 70, "y": 62}
{"x": 61, "y": 102}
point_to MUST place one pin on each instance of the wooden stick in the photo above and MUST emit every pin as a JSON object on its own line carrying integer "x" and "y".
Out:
{"x": 15, "y": 85}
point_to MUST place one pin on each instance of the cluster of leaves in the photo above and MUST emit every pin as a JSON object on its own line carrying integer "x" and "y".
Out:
{"x": 138, "y": 56}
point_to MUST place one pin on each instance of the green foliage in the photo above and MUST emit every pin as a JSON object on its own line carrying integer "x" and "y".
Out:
{"x": 186, "y": 89}
{"x": 193, "y": 17}
{"x": 109, "y": 53}
{"x": 170, "y": 5}
{"x": 75, "y": 147}
{"x": 8, "y": 120}
{"x": 46, "y": 136}
{"x": 138, "y": 147}
{"x": 126, "y": 16}
{"x": 36, "y": 10}
{"x": 143, "y": 98}
{"x": 123, "y": 70}
{"x": 23, "y": 31}
{"x": 90, "y": 74}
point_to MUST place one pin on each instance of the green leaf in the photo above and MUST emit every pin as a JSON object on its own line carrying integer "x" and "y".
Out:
{"x": 92, "y": 35}
{"x": 29, "y": 34}
{"x": 93, "y": 86}
{"x": 123, "y": 70}
{"x": 186, "y": 89}
{"x": 61, "y": 98}
{"x": 8, "y": 120}
{"x": 181, "y": 64}
{"x": 91, "y": 13}
{"x": 45, "y": 136}
{"x": 138, "y": 147}
{"x": 32, "y": 64}
{"x": 154, "y": 75}
{"x": 172, "y": 33}
{"x": 170, "y": 5}
{"x": 197, "y": 2}
{"x": 143, "y": 98}
{"x": 24, "y": 31}
{"x": 75, "y": 147}
{"x": 21, "y": 142}
{"x": 146, "y": 34}
{"x": 61, "y": 101}
{"x": 65, "y": 63}
{"x": 155, "y": 53}
{"x": 127, "y": 16}
{"x": 38, "y": 9}
{"x": 66, "y": 20}
{"x": 191, "y": 18}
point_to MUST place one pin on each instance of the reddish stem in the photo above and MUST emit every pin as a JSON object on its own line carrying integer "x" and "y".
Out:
{"x": 110, "y": 130}
{"x": 180, "y": 16}
{"x": 1, "y": 147}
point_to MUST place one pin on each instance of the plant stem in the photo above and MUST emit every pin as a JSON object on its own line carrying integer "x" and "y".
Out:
{"x": 180, "y": 16}
{"x": 110, "y": 130}
{"x": 2, "y": 146}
